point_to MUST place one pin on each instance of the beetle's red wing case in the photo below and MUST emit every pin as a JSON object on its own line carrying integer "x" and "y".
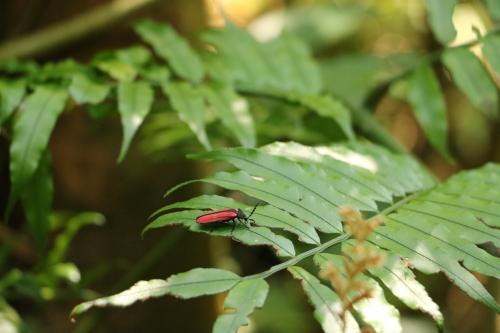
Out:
{"x": 217, "y": 216}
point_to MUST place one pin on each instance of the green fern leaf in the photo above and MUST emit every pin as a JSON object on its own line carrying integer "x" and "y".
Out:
{"x": 242, "y": 299}
{"x": 194, "y": 283}
{"x": 440, "y": 19}
{"x": 250, "y": 236}
{"x": 37, "y": 200}
{"x": 134, "y": 103}
{"x": 283, "y": 65}
{"x": 265, "y": 216}
{"x": 401, "y": 281}
{"x": 326, "y": 303}
{"x": 472, "y": 79}
{"x": 117, "y": 69}
{"x": 428, "y": 105}
{"x": 491, "y": 50}
{"x": 375, "y": 311}
{"x": 189, "y": 104}
{"x": 233, "y": 110}
{"x": 172, "y": 48}
{"x": 32, "y": 129}
{"x": 11, "y": 94}
{"x": 422, "y": 227}
{"x": 84, "y": 90}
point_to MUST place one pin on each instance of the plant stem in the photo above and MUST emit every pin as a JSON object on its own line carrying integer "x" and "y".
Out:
{"x": 72, "y": 29}
{"x": 401, "y": 202}
{"x": 326, "y": 245}
{"x": 299, "y": 258}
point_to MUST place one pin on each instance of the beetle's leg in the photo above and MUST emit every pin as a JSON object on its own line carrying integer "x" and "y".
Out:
{"x": 254, "y": 208}
{"x": 242, "y": 222}
{"x": 232, "y": 228}
{"x": 251, "y": 222}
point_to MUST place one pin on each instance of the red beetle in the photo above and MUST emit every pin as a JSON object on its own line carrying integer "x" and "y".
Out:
{"x": 227, "y": 215}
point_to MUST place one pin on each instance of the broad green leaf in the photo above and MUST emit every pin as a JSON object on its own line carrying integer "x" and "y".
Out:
{"x": 232, "y": 110}
{"x": 282, "y": 65}
{"x": 85, "y": 90}
{"x": 266, "y": 216}
{"x": 375, "y": 311}
{"x": 242, "y": 301}
{"x": 32, "y": 129}
{"x": 247, "y": 235}
{"x": 37, "y": 200}
{"x": 134, "y": 103}
{"x": 327, "y": 107}
{"x": 11, "y": 94}
{"x": 494, "y": 8}
{"x": 491, "y": 50}
{"x": 440, "y": 19}
{"x": 401, "y": 282}
{"x": 424, "y": 95}
{"x": 472, "y": 79}
{"x": 188, "y": 102}
{"x": 172, "y": 48}
{"x": 193, "y": 283}
{"x": 117, "y": 69}
{"x": 326, "y": 303}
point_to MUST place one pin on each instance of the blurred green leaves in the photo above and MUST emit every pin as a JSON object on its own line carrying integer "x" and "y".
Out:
{"x": 424, "y": 95}
{"x": 440, "y": 19}
{"x": 188, "y": 102}
{"x": 11, "y": 93}
{"x": 85, "y": 90}
{"x": 491, "y": 50}
{"x": 233, "y": 111}
{"x": 134, "y": 103}
{"x": 32, "y": 129}
{"x": 472, "y": 79}
{"x": 173, "y": 49}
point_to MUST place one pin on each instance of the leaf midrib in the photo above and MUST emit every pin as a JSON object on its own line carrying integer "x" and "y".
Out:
{"x": 32, "y": 132}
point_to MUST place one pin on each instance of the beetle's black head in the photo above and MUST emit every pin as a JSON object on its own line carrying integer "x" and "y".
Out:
{"x": 241, "y": 214}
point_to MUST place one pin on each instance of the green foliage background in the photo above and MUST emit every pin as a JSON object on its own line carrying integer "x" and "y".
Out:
{"x": 236, "y": 91}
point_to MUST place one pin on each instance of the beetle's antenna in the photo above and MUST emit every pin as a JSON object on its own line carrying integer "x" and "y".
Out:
{"x": 253, "y": 210}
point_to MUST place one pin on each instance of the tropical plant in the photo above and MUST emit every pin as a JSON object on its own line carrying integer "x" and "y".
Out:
{"x": 433, "y": 227}
{"x": 427, "y": 226}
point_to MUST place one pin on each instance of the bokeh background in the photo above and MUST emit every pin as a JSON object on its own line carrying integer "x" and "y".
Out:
{"x": 358, "y": 43}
